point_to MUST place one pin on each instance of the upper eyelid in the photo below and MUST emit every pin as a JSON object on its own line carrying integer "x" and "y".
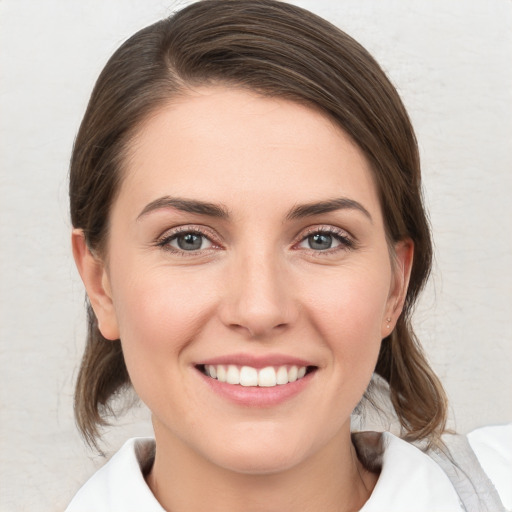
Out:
{"x": 345, "y": 238}
{"x": 323, "y": 228}
{"x": 189, "y": 228}
{"x": 164, "y": 240}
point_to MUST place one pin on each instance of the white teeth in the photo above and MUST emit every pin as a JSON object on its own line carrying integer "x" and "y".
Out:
{"x": 282, "y": 375}
{"x": 267, "y": 377}
{"x": 221, "y": 373}
{"x": 248, "y": 376}
{"x": 233, "y": 375}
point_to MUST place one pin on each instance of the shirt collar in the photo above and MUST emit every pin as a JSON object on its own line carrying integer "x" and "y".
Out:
{"x": 409, "y": 480}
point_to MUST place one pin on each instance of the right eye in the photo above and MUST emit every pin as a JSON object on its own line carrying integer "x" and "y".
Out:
{"x": 185, "y": 241}
{"x": 190, "y": 241}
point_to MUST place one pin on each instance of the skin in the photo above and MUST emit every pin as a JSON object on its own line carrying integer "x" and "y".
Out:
{"x": 256, "y": 287}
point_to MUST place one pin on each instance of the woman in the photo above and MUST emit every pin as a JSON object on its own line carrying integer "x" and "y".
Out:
{"x": 246, "y": 203}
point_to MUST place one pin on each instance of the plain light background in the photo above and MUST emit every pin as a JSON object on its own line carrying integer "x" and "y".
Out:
{"x": 450, "y": 61}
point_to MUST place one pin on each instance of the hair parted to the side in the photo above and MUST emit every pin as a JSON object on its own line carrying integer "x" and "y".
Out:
{"x": 278, "y": 50}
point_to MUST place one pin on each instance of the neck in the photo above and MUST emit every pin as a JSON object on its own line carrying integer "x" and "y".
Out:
{"x": 332, "y": 480}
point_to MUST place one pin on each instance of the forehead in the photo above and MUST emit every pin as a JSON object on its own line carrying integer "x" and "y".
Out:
{"x": 223, "y": 144}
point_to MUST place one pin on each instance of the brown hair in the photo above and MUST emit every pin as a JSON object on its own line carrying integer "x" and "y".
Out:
{"x": 278, "y": 50}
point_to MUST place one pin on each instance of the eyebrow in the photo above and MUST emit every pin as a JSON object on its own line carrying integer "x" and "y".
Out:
{"x": 331, "y": 205}
{"x": 186, "y": 205}
{"x": 221, "y": 212}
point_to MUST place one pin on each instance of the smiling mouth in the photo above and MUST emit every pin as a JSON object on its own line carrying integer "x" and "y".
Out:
{"x": 247, "y": 376}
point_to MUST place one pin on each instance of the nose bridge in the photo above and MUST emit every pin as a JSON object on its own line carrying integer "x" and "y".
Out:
{"x": 257, "y": 296}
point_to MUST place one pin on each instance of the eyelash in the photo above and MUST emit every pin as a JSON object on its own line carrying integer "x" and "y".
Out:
{"x": 165, "y": 240}
{"x": 346, "y": 241}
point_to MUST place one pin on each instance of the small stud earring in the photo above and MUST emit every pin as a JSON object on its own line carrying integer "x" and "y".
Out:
{"x": 388, "y": 320}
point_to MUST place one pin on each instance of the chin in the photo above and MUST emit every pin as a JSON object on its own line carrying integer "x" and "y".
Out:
{"x": 258, "y": 463}
{"x": 260, "y": 454}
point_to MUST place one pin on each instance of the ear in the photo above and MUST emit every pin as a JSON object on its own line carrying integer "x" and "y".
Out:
{"x": 95, "y": 278}
{"x": 401, "y": 273}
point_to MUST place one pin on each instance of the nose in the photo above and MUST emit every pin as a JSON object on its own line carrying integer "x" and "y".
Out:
{"x": 258, "y": 298}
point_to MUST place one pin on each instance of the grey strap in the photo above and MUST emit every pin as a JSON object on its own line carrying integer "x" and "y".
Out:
{"x": 476, "y": 492}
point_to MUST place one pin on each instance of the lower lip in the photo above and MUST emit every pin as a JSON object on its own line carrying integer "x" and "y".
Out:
{"x": 256, "y": 396}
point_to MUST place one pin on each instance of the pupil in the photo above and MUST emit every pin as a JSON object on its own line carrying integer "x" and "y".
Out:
{"x": 189, "y": 242}
{"x": 320, "y": 241}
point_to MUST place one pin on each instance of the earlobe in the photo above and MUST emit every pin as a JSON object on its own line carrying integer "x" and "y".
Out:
{"x": 97, "y": 284}
{"x": 402, "y": 266}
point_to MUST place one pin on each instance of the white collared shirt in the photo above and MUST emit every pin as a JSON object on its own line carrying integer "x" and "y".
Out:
{"x": 410, "y": 481}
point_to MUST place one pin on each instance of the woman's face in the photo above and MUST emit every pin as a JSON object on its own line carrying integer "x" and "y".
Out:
{"x": 247, "y": 242}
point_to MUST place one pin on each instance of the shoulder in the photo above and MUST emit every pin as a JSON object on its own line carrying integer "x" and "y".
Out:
{"x": 120, "y": 484}
{"x": 493, "y": 448}
{"x": 411, "y": 478}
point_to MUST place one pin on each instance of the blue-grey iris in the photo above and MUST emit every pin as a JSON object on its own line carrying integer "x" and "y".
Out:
{"x": 190, "y": 242}
{"x": 320, "y": 241}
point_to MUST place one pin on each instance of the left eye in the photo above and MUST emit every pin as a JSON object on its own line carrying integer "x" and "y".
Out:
{"x": 190, "y": 241}
{"x": 320, "y": 241}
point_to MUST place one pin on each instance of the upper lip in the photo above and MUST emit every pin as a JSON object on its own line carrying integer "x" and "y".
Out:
{"x": 256, "y": 361}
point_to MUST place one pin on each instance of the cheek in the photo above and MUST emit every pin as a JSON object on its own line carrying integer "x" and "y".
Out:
{"x": 348, "y": 313}
{"x": 159, "y": 313}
